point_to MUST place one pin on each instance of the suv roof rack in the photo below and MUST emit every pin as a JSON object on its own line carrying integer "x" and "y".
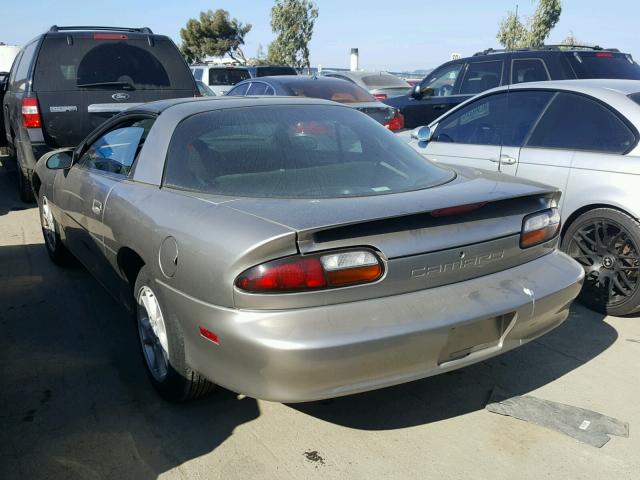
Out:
{"x": 56, "y": 28}
{"x": 490, "y": 51}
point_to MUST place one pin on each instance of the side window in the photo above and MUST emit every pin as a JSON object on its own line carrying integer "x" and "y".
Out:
{"x": 269, "y": 91}
{"x": 479, "y": 123}
{"x": 529, "y": 70}
{"x": 116, "y": 150}
{"x": 239, "y": 90}
{"x": 14, "y": 68}
{"x": 22, "y": 70}
{"x": 576, "y": 122}
{"x": 481, "y": 76}
{"x": 525, "y": 107}
{"x": 442, "y": 80}
{"x": 257, "y": 88}
{"x": 197, "y": 73}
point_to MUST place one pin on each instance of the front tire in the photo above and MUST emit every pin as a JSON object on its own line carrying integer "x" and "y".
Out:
{"x": 162, "y": 346}
{"x": 58, "y": 253}
{"x": 606, "y": 242}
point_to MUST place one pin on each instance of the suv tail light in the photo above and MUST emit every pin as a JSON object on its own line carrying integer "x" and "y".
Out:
{"x": 380, "y": 96}
{"x": 312, "y": 272}
{"x": 30, "y": 113}
{"x": 396, "y": 122}
{"x": 539, "y": 227}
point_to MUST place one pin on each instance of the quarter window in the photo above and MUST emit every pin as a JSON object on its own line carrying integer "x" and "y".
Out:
{"x": 479, "y": 123}
{"x": 575, "y": 122}
{"x": 257, "y": 88}
{"x": 116, "y": 150}
{"x": 197, "y": 73}
{"x": 529, "y": 70}
{"x": 481, "y": 76}
{"x": 22, "y": 71}
{"x": 441, "y": 81}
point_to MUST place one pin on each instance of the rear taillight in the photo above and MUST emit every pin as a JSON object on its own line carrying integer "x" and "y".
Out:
{"x": 110, "y": 36}
{"x": 396, "y": 122}
{"x": 604, "y": 55}
{"x": 30, "y": 113}
{"x": 539, "y": 227}
{"x": 312, "y": 272}
{"x": 380, "y": 96}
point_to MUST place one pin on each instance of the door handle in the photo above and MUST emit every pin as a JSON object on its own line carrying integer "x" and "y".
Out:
{"x": 96, "y": 207}
{"x": 507, "y": 160}
{"x": 439, "y": 107}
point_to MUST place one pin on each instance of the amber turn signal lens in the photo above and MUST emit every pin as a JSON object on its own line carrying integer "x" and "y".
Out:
{"x": 539, "y": 227}
{"x": 354, "y": 275}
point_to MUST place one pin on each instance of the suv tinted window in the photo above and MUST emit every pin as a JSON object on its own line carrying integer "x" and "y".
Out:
{"x": 528, "y": 70}
{"x": 271, "y": 71}
{"x": 116, "y": 150}
{"x": 310, "y": 151}
{"x": 575, "y": 122}
{"x": 604, "y": 65}
{"x": 481, "y": 76}
{"x": 442, "y": 80}
{"x": 22, "y": 70}
{"x": 227, "y": 76}
{"x": 63, "y": 67}
{"x": 479, "y": 123}
{"x": 525, "y": 107}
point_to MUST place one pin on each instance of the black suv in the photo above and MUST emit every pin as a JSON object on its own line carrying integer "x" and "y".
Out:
{"x": 456, "y": 81}
{"x": 69, "y": 80}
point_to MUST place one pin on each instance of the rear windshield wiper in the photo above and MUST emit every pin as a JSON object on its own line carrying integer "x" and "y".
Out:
{"x": 122, "y": 85}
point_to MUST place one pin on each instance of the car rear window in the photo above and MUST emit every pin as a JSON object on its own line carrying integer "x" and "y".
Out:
{"x": 62, "y": 66}
{"x": 271, "y": 71}
{"x": 227, "y": 76}
{"x": 635, "y": 97}
{"x": 383, "y": 80}
{"x": 337, "y": 90}
{"x": 289, "y": 151}
{"x": 604, "y": 65}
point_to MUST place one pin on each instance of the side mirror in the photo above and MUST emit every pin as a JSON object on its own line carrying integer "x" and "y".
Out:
{"x": 59, "y": 160}
{"x": 421, "y": 134}
{"x": 418, "y": 93}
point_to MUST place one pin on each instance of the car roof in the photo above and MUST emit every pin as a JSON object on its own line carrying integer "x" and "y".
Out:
{"x": 292, "y": 79}
{"x": 360, "y": 73}
{"x": 592, "y": 86}
{"x": 202, "y": 104}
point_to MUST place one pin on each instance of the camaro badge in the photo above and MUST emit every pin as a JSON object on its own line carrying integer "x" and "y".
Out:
{"x": 468, "y": 262}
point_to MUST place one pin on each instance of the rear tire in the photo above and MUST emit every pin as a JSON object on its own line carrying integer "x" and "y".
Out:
{"x": 606, "y": 242}
{"x": 24, "y": 181}
{"x": 162, "y": 346}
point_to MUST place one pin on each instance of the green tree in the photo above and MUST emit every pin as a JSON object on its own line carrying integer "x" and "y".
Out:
{"x": 215, "y": 34}
{"x": 515, "y": 34}
{"x": 571, "y": 39}
{"x": 292, "y": 21}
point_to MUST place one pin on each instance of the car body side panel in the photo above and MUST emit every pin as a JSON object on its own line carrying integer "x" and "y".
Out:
{"x": 610, "y": 180}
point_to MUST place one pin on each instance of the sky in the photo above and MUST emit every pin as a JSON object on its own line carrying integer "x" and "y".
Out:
{"x": 395, "y": 36}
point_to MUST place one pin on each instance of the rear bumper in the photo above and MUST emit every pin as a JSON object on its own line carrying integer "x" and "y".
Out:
{"x": 321, "y": 352}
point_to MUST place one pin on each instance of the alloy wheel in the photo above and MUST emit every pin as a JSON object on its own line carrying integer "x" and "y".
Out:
{"x": 153, "y": 334}
{"x": 48, "y": 225}
{"x": 610, "y": 259}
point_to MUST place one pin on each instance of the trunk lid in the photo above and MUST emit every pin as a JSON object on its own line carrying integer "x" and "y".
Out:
{"x": 380, "y": 112}
{"x": 419, "y": 247}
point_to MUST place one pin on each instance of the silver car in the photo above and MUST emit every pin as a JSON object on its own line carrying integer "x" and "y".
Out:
{"x": 381, "y": 85}
{"x": 580, "y": 136}
{"x": 294, "y": 249}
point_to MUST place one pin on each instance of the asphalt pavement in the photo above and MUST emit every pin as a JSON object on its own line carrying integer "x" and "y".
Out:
{"x": 75, "y": 402}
